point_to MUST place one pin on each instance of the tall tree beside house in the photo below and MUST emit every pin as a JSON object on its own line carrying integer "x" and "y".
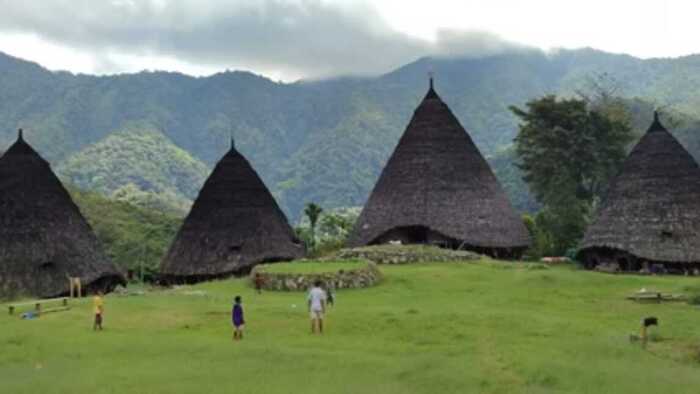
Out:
{"x": 568, "y": 151}
{"x": 313, "y": 211}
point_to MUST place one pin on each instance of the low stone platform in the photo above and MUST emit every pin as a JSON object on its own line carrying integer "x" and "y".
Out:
{"x": 406, "y": 254}
{"x": 367, "y": 275}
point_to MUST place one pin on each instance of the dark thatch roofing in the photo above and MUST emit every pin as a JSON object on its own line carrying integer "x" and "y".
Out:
{"x": 43, "y": 236}
{"x": 234, "y": 224}
{"x": 652, "y": 209}
{"x": 436, "y": 178}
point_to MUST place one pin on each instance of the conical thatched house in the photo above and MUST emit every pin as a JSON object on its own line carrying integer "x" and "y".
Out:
{"x": 651, "y": 213}
{"x": 44, "y": 239}
{"x": 437, "y": 188}
{"x": 234, "y": 224}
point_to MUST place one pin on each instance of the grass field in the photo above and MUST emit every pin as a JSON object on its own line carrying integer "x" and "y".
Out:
{"x": 312, "y": 267}
{"x": 427, "y": 328}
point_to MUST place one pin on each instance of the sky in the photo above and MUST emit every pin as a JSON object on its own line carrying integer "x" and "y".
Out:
{"x": 294, "y": 39}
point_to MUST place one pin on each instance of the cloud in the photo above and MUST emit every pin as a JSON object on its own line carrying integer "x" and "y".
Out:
{"x": 302, "y": 38}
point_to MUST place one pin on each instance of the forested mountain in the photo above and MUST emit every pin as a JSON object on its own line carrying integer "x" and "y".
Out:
{"x": 132, "y": 237}
{"x": 322, "y": 141}
{"x": 140, "y": 165}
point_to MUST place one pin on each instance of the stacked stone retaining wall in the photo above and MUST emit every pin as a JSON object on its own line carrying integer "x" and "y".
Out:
{"x": 406, "y": 254}
{"x": 342, "y": 279}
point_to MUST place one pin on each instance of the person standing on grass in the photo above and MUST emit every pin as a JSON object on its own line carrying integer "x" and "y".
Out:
{"x": 237, "y": 318}
{"x": 259, "y": 282}
{"x": 99, "y": 309}
{"x": 330, "y": 297}
{"x": 317, "y": 307}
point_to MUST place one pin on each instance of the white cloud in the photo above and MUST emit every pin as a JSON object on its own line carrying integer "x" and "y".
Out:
{"x": 316, "y": 38}
{"x": 305, "y": 38}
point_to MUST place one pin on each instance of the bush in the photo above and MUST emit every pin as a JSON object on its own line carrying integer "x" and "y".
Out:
{"x": 333, "y": 229}
{"x": 542, "y": 243}
{"x": 328, "y": 246}
{"x": 694, "y": 299}
{"x": 693, "y": 294}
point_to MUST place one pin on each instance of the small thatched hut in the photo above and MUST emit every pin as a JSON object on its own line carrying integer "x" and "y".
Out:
{"x": 651, "y": 213}
{"x": 437, "y": 188}
{"x": 44, "y": 239}
{"x": 234, "y": 224}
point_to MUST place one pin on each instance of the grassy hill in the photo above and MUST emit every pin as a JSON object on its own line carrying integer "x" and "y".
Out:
{"x": 139, "y": 165}
{"x": 427, "y": 328}
{"x": 130, "y": 235}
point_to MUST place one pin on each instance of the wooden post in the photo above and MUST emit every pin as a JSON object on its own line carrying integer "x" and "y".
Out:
{"x": 37, "y": 307}
{"x": 75, "y": 287}
{"x": 12, "y": 309}
{"x": 65, "y": 302}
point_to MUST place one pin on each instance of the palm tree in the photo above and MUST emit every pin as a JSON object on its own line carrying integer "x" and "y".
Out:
{"x": 313, "y": 211}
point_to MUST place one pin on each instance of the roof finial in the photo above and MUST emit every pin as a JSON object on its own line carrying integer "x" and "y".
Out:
{"x": 20, "y": 137}
{"x": 233, "y": 141}
{"x": 431, "y": 92}
{"x": 656, "y": 124}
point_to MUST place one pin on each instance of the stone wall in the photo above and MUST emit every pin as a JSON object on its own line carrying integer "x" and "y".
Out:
{"x": 400, "y": 254}
{"x": 341, "y": 279}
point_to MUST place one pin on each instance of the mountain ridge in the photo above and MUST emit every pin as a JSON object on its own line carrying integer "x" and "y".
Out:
{"x": 323, "y": 140}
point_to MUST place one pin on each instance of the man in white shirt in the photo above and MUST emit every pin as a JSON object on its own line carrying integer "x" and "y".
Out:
{"x": 317, "y": 307}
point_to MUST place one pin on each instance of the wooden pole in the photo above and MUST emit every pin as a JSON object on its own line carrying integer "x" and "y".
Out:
{"x": 76, "y": 289}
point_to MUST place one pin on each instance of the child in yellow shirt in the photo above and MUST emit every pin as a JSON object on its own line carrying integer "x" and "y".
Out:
{"x": 98, "y": 305}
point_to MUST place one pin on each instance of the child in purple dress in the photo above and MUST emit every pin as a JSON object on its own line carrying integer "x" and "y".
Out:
{"x": 237, "y": 318}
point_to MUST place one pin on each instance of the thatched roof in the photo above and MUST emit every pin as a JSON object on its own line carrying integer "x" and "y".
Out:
{"x": 437, "y": 178}
{"x": 43, "y": 236}
{"x": 652, "y": 209}
{"x": 234, "y": 224}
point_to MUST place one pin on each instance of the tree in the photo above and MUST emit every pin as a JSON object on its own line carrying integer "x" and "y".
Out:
{"x": 336, "y": 225}
{"x": 568, "y": 150}
{"x": 313, "y": 211}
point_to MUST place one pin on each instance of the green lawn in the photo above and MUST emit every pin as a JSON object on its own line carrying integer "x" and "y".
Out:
{"x": 312, "y": 267}
{"x": 427, "y": 328}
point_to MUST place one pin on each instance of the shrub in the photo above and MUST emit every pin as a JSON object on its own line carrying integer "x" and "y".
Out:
{"x": 693, "y": 294}
{"x": 694, "y": 299}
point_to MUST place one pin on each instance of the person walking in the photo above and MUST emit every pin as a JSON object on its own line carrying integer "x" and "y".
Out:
{"x": 317, "y": 307}
{"x": 259, "y": 282}
{"x": 99, "y": 309}
{"x": 330, "y": 297}
{"x": 237, "y": 319}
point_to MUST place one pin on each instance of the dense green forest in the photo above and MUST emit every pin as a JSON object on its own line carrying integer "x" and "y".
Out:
{"x": 133, "y": 237}
{"x": 151, "y": 138}
{"x": 139, "y": 165}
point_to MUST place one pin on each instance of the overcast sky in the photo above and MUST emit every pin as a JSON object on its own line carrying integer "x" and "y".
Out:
{"x": 313, "y": 38}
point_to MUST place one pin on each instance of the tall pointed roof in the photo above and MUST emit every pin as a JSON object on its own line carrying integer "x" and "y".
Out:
{"x": 436, "y": 178}
{"x": 43, "y": 235}
{"x": 234, "y": 224}
{"x": 652, "y": 208}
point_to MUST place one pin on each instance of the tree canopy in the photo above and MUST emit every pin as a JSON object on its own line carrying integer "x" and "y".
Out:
{"x": 568, "y": 150}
